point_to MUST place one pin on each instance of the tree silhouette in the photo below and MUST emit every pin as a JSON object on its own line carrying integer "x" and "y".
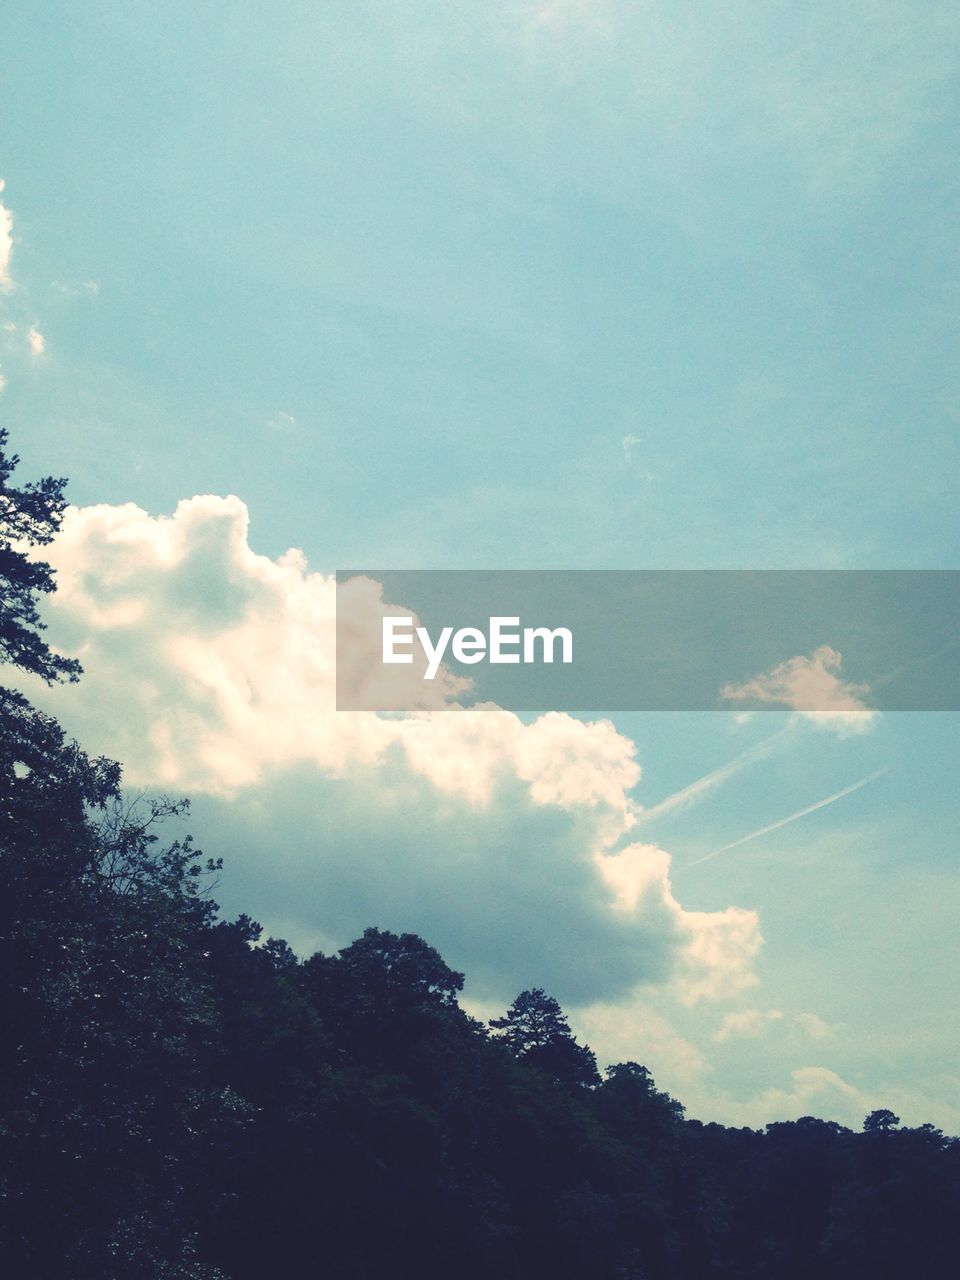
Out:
{"x": 29, "y": 517}
{"x": 880, "y": 1121}
{"x": 536, "y": 1031}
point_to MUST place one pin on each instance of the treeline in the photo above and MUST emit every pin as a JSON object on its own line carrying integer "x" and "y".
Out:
{"x": 182, "y": 1100}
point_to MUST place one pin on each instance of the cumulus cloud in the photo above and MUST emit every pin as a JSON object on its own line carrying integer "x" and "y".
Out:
{"x": 718, "y": 961}
{"x": 210, "y": 669}
{"x": 813, "y": 687}
{"x": 36, "y": 341}
{"x": 363, "y": 682}
{"x": 227, "y": 659}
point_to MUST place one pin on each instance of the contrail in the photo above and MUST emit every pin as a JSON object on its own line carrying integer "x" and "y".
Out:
{"x": 694, "y": 790}
{"x": 801, "y": 813}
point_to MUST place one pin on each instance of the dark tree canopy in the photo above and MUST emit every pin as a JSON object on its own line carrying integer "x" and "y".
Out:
{"x": 403, "y": 965}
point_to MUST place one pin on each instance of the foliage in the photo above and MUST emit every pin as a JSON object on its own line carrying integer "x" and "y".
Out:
{"x": 536, "y": 1031}
{"x": 29, "y": 517}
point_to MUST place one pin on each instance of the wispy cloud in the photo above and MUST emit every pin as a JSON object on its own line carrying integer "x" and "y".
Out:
{"x": 89, "y": 287}
{"x": 629, "y": 442}
{"x": 747, "y": 1023}
{"x": 815, "y": 1027}
{"x": 792, "y": 817}
{"x": 282, "y": 422}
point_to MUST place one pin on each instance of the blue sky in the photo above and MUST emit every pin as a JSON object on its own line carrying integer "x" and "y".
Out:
{"x": 507, "y": 285}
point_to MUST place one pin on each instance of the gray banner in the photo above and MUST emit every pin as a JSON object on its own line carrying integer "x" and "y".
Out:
{"x": 840, "y": 642}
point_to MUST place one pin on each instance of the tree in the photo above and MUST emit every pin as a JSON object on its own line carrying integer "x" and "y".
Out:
{"x": 536, "y": 1031}
{"x": 631, "y": 1098}
{"x": 880, "y": 1121}
{"x": 105, "y": 1013}
{"x": 400, "y": 967}
{"x": 29, "y": 517}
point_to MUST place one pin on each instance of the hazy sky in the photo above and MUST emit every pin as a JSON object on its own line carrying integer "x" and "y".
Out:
{"x": 562, "y": 285}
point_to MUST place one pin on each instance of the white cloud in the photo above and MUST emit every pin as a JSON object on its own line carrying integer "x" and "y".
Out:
{"x": 813, "y": 687}
{"x": 814, "y": 1026}
{"x": 629, "y": 443}
{"x": 210, "y": 669}
{"x": 6, "y": 245}
{"x": 747, "y": 1023}
{"x": 636, "y": 1032}
{"x": 814, "y": 1090}
{"x": 89, "y": 287}
{"x": 36, "y": 341}
{"x": 717, "y": 947}
{"x": 720, "y": 953}
{"x": 822, "y": 1092}
{"x": 230, "y": 658}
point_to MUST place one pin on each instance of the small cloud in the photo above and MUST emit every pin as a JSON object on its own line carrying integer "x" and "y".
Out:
{"x": 748, "y": 1023}
{"x": 282, "y": 422}
{"x": 36, "y": 341}
{"x": 814, "y": 1026}
{"x": 3, "y": 381}
{"x": 628, "y": 443}
{"x": 561, "y": 15}
{"x": 89, "y": 287}
{"x": 813, "y": 687}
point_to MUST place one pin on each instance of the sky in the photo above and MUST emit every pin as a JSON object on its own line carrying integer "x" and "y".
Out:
{"x": 568, "y": 284}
